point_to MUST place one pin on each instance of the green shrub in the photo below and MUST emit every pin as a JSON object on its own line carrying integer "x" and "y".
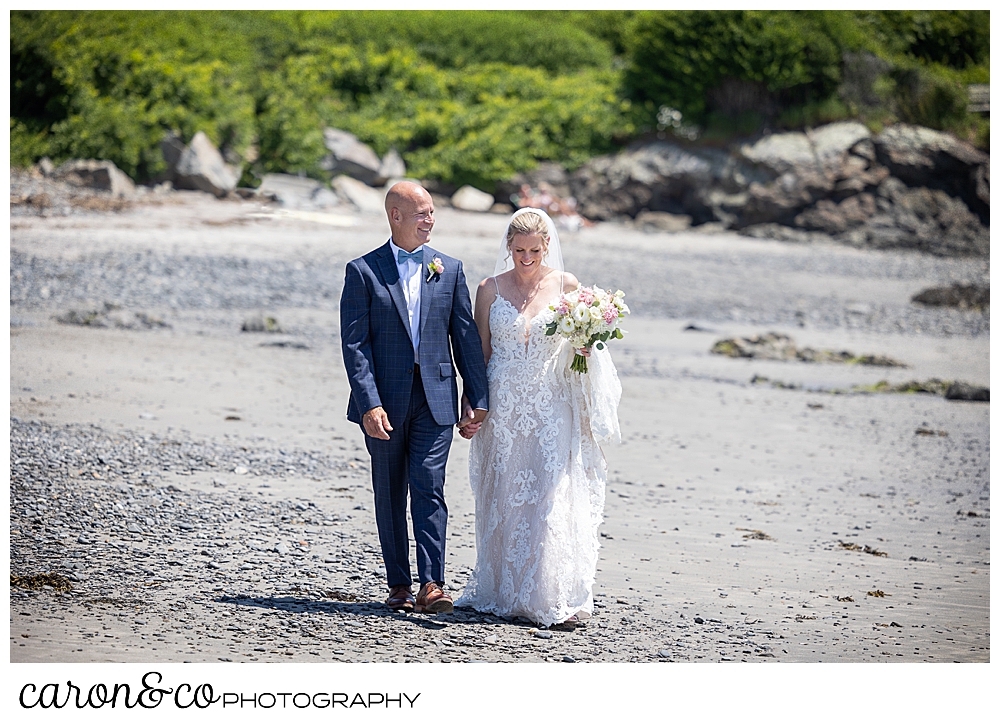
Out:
{"x": 953, "y": 38}
{"x": 115, "y": 101}
{"x": 730, "y": 62}
{"x": 476, "y": 125}
{"x": 460, "y": 38}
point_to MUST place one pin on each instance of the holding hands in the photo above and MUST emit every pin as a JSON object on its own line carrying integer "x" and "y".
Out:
{"x": 471, "y": 421}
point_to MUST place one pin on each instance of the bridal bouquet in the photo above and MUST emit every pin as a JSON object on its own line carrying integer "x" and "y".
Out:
{"x": 588, "y": 317}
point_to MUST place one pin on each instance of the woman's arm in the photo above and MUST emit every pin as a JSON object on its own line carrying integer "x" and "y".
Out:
{"x": 486, "y": 294}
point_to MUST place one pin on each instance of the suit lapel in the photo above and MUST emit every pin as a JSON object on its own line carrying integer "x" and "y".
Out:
{"x": 390, "y": 273}
{"x": 427, "y": 289}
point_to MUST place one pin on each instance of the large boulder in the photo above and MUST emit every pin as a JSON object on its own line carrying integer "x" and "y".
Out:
{"x": 468, "y": 198}
{"x": 804, "y": 169}
{"x": 898, "y": 216}
{"x": 832, "y": 145}
{"x": 781, "y": 153}
{"x": 360, "y": 195}
{"x": 392, "y": 166}
{"x": 98, "y": 175}
{"x": 172, "y": 148}
{"x": 708, "y": 184}
{"x": 296, "y": 192}
{"x": 350, "y": 157}
{"x": 202, "y": 168}
{"x": 923, "y": 157}
{"x": 657, "y": 176}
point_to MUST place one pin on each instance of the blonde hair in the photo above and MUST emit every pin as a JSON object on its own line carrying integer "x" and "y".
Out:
{"x": 528, "y": 224}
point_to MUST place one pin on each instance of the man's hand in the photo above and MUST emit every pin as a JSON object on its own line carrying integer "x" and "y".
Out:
{"x": 376, "y": 423}
{"x": 471, "y": 421}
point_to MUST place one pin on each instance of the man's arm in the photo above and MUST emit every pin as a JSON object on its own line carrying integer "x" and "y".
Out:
{"x": 468, "y": 349}
{"x": 355, "y": 339}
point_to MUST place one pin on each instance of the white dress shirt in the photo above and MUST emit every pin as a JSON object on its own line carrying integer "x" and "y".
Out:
{"x": 409, "y": 276}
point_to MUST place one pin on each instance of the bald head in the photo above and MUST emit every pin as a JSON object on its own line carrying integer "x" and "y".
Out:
{"x": 410, "y": 211}
{"x": 405, "y": 192}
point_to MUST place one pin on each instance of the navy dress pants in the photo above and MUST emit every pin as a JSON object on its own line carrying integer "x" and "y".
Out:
{"x": 411, "y": 462}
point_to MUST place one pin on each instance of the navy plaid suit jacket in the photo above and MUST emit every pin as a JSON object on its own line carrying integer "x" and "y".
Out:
{"x": 378, "y": 352}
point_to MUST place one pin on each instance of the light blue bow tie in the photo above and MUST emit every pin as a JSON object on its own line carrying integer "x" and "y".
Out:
{"x": 417, "y": 256}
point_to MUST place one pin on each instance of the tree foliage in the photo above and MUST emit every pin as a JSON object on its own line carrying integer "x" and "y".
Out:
{"x": 467, "y": 96}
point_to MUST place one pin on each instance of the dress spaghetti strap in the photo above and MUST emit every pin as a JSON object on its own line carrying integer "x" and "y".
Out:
{"x": 496, "y": 284}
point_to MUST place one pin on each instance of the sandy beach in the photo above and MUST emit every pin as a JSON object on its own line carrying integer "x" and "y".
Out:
{"x": 203, "y": 495}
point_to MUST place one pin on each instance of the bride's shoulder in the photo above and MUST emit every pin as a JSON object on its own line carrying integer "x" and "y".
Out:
{"x": 569, "y": 281}
{"x": 487, "y": 289}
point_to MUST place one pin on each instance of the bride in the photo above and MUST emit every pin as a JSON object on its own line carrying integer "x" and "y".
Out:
{"x": 536, "y": 468}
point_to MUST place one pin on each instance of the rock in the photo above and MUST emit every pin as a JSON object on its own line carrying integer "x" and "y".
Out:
{"x": 833, "y": 218}
{"x": 110, "y": 316}
{"x": 360, "y": 195}
{"x": 543, "y": 634}
{"x": 392, "y": 166}
{"x": 468, "y": 198}
{"x": 324, "y": 198}
{"x": 653, "y": 221}
{"x": 202, "y": 168}
{"x": 781, "y": 153}
{"x": 282, "y": 549}
{"x": 46, "y": 167}
{"x": 960, "y": 391}
{"x": 440, "y": 188}
{"x": 699, "y": 620}
{"x": 172, "y": 148}
{"x": 831, "y": 144}
{"x": 296, "y": 191}
{"x": 781, "y": 347}
{"x": 132, "y": 527}
{"x": 925, "y": 219}
{"x": 568, "y": 659}
{"x": 922, "y": 157}
{"x": 99, "y": 175}
{"x": 262, "y": 323}
{"x": 961, "y": 296}
{"x": 662, "y": 177}
{"x": 350, "y": 156}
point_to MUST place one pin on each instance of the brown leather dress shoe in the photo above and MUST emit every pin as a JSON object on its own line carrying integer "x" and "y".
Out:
{"x": 432, "y": 599}
{"x": 400, "y": 598}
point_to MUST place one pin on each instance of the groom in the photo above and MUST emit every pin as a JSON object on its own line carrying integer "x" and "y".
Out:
{"x": 405, "y": 307}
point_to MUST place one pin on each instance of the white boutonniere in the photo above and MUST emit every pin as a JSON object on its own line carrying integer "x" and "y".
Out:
{"x": 434, "y": 268}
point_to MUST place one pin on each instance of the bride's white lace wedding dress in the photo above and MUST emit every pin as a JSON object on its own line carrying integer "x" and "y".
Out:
{"x": 538, "y": 473}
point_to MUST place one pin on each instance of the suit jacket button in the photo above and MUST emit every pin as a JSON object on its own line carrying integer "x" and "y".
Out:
{"x": 410, "y": 370}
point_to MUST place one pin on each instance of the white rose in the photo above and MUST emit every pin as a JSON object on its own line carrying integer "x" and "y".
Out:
{"x": 566, "y": 325}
